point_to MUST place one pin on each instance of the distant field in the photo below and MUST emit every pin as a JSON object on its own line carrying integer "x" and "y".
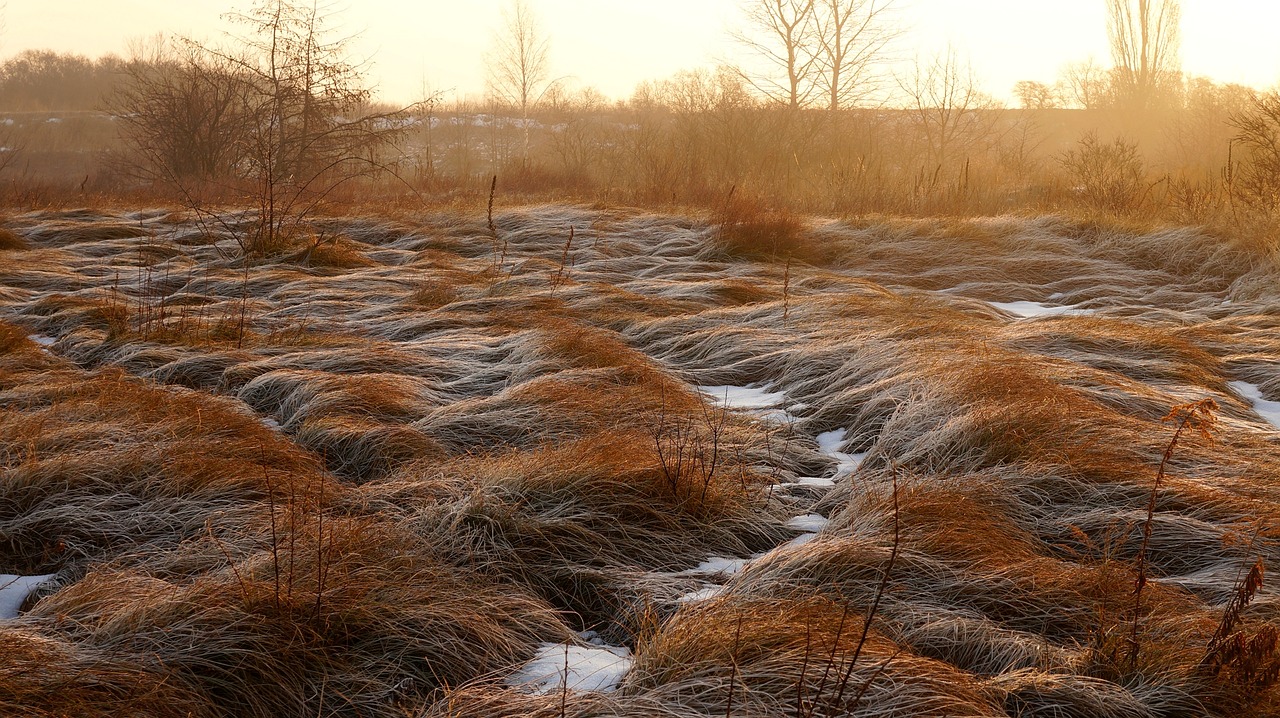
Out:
{"x": 608, "y": 462}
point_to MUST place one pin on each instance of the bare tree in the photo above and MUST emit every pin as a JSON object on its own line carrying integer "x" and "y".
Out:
{"x": 282, "y": 119}
{"x": 1085, "y": 85}
{"x": 851, "y": 35}
{"x": 947, "y": 108}
{"x": 519, "y": 71}
{"x": 182, "y": 113}
{"x": 1144, "y": 36}
{"x": 783, "y": 34}
{"x": 1034, "y": 95}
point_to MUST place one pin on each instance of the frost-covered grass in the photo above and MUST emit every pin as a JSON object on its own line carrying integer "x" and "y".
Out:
{"x": 435, "y": 474}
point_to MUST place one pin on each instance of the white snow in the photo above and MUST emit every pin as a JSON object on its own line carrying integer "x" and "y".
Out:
{"x": 578, "y": 668}
{"x": 1269, "y": 410}
{"x": 744, "y": 397}
{"x": 271, "y": 424}
{"x": 14, "y": 590}
{"x": 780, "y": 416}
{"x": 809, "y": 523}
{"x": 1036, "y": 309}
{"x": 43, "y": 340}
{"x": 829, "y": 443}
{"x": 720, "y": 564}
{"x": 702, "y": 594}
{"x": 814, "y": 481}
{"x": 800, "y": 540}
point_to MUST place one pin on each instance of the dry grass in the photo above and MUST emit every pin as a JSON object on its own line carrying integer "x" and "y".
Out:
{"x": 11, "y": 241}
{"x": 369, "y": 475}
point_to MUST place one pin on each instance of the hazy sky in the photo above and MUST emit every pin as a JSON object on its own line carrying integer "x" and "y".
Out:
{"x": 614, "y": 44}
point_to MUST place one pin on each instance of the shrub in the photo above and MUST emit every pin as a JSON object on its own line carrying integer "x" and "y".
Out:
{"x": 1107, "y": 174}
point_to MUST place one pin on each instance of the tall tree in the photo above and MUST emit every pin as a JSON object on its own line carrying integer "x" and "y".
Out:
{"x": 851, "y": 37}
{"x": 782, "y": 34}
{"x": 519, "y": 70}
{"x": 1144, "y": 36}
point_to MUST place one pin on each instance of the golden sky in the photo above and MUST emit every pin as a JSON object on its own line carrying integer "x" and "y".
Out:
{"x": 614, "y": 44}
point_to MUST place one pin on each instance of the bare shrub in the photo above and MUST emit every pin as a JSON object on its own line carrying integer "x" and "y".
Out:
{"x": 1255, "y": 178}
{"x": 1107, "y": 175}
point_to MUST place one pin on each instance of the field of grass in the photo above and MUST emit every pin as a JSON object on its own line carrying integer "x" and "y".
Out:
{"x": 609, "y": 462}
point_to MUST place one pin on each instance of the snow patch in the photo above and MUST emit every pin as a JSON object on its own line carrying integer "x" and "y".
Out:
{"x": 558, "y": 666}
{"x": 720, "y": 564}
{"x": 1036, "y": 309}
{"x": 813, "y": 481}
{"x": 744, "y": 397}
{"x": 14, "y": 590}
{"x": 1269, "y": 410}
{"x": 701, "y": 594}
{"x": 829, "y": 443}
{"x": 779, "y": 416}
{"x": 800, "y": 540}
{"x": 809, "y": 523}
{"x": 271, "y": 424}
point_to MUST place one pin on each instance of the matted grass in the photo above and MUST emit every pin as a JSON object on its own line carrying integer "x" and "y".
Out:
{"x": 371, "y": 475}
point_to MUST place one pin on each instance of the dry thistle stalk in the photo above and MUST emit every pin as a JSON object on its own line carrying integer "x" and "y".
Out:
{"x": 1199, "y": 417}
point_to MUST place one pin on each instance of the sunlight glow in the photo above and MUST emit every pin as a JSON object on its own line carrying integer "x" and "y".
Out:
{"x": 614, "y": 44}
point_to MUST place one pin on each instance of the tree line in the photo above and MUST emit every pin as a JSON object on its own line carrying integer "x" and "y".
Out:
{"x": 814, "y": 119}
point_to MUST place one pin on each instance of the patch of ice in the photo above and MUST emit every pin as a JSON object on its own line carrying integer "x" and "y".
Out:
{"x": 14, "y": 590}
{"x": 557, "y": 666}
{"x": 744, "y": 397}
{"x": 1036, "y": 309}
{"x": 809, "y": 523}
{"x": 1269, "y": 410}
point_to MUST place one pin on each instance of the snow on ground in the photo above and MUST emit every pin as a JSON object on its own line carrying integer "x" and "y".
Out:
{"x": 818, "y": 481}
{"x": 744, "y": 397}
{"x": 1036, "y": 309}
{"x": 720, "y": 564}
{"x": 14, "y": 590}
{"x": 809, "y": 523}
{"x": 586, "y": 668}
{"x": 701, "y": 594}
{"x": 829, "y": 443}
{"x": 42, "y": 340}
{"x": 1269, "y": 410}
{"x": 800, "y": 540}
